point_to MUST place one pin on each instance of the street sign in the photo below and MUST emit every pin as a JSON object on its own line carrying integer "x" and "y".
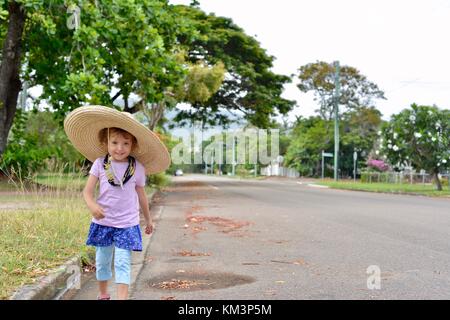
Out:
{"x": 325, "y": 154}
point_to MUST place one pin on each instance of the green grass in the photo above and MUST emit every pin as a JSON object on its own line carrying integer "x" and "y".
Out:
{"x": 404, "y": 188}
{"x": 251, "y": 177}
{"x": 39, "y": 236}
{"x": 58, "y": 181}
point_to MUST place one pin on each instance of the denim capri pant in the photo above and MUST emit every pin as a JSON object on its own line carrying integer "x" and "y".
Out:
{"x": 123, "y": 240}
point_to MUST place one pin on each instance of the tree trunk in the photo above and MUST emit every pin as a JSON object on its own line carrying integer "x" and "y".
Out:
{"x": 437, "y": 181}
{"x": 157, "y": 113}
{"x": 10, "y": 84}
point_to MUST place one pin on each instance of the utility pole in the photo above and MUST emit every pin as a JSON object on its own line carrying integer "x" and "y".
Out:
{"x": 336, "y": 119}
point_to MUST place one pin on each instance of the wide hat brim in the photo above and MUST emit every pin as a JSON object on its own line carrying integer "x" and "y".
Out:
{"x": 83, "y": 125}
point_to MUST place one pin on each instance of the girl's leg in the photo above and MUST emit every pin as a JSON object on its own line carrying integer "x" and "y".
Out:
{"x": 122, "y": 268}
{"x": 103, "y": 260}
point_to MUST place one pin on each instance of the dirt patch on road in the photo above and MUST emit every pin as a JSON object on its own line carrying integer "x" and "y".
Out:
{"x": 224, "y": 225}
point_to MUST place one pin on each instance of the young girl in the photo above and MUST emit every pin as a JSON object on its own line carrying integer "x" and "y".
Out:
{"x": 124, "y": 152}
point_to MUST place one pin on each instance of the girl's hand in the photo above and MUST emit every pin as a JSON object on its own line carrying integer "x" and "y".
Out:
{"x": 97, "y": 211}
{"x": 149, "y": 228}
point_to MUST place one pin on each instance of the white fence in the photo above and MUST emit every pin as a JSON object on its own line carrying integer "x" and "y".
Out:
{"x": 279, "y": 171}
{"x": 400, "y": 177}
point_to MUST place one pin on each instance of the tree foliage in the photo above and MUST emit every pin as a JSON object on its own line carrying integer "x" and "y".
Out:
{"x": 358, "y": 131}
{"x": 355, "y": 89}
{"x": 418, "y": 137}
{"x": 87, "y": 52}
{"x": 309, "y": 138}
{"x": 250, "y": 88}
{"x": 122, "y": 46}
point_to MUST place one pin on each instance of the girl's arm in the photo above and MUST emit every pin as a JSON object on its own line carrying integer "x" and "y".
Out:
{"x": 88, "y": 195}
{"x": 143, "y": 202}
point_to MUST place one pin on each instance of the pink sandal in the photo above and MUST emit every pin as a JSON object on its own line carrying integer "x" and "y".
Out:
{"x": 104, "y": 297}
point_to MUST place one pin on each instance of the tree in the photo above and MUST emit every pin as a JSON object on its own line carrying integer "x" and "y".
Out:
{"x": 419, "y": 137}
{"x": 35, "y": 138}
{"x": 359, "y": 133}
{"x": 250, "y": 88}
{"x": 198, "y": 85}
{"x": 10, "y": 84}
{"x": 117, "y": 49}
{"x": 309, "y": 138}
{"x": 355, "y": 90}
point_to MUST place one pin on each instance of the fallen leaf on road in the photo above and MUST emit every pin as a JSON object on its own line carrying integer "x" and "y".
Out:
{"x": 190, "y": 253}
{"x": 168, "y": 298}
{"x": 176, "y": 284}
{"x": 198, "y": 229}
{"x": 270, "y": 292}
{"x": 300, "y": 262}
{"x": 89, "y": 268}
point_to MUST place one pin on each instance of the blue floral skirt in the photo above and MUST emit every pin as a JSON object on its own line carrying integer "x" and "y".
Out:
{"x": 124, "y": 238}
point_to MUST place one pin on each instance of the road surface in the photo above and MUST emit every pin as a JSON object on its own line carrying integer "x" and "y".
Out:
{"x": 225, "y": 238}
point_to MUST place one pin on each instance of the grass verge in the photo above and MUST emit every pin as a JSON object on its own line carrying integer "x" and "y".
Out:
{"x": 38, "y": 237}
{"x": 417, "y": 189}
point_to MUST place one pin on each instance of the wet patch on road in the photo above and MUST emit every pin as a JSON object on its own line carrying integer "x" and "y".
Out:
{"x": 195, "y": 280}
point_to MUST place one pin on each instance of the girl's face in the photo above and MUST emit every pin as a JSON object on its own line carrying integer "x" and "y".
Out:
{"x": 119, "y": 147}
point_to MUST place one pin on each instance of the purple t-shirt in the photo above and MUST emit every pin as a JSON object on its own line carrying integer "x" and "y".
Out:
{"x": 121, "y": 207}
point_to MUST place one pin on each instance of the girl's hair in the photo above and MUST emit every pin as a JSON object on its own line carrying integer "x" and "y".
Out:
{"x": 103, "y": 136}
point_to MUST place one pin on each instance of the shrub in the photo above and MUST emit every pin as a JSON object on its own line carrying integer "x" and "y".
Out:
{"x": 378, "y": 165}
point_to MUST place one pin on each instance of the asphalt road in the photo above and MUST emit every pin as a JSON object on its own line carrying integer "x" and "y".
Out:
{"x": 223, "y": 238}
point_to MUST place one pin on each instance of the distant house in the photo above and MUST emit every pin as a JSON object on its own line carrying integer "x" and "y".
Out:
{"x": 275, "y": 168}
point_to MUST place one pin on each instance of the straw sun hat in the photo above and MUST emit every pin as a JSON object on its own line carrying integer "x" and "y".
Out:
{"x": 83, "y": 125}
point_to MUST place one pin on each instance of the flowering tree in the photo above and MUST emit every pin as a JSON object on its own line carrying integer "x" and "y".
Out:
{"x": 420, "y": 137}
{"x": 378, "y": 165}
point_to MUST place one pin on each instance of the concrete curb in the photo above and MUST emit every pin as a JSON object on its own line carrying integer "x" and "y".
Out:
{"x": 67, "y": 277}
{"x": 54, "y": 285}
{"x": 317, "y": 186}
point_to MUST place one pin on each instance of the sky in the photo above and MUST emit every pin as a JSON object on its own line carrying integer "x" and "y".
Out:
{"x": 402, "y": 46}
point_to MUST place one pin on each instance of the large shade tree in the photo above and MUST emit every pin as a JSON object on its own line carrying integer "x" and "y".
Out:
{"x": 114, "y": 48}
{"x": 249, "y": 88}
